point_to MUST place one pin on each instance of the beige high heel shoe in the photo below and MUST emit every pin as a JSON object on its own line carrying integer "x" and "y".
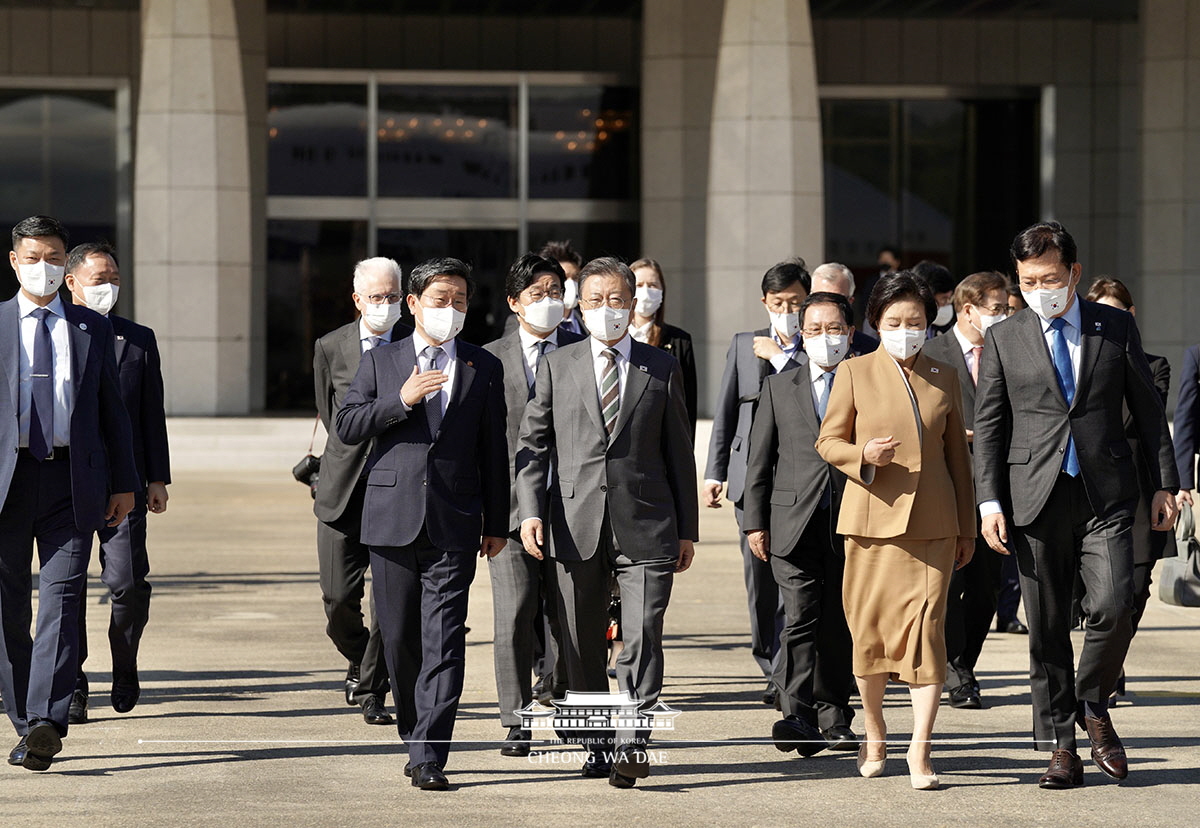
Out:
{"x": 870, "y": 768}
{"x": 922, "y": 781}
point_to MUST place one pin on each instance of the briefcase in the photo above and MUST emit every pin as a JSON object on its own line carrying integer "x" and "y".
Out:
{"x": 1179, "y": 577}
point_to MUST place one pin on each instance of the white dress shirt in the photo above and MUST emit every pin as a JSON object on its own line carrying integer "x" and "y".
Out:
{"x": 641, "y": 334}
{"x": 365, "y": 334}
{"x": 450, "y": 347}
{"x": 529, "y": 350}
{"x": 967, "y": 347}
{"x": 1073, "y": 332}
{"x": 600, "y": 362}
{"x": 64, "y": 390}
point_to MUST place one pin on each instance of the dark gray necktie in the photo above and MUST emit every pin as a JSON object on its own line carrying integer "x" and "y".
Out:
{"x": 41, "y": 401}
{"x": 542, "y": 347}
{"x": 433, "y": 403}
{"x": 373, "y": 342}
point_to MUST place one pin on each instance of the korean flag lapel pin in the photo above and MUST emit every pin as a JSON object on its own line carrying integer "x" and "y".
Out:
{"x": 933, "y": 369}
{"x": 643, "y": 369}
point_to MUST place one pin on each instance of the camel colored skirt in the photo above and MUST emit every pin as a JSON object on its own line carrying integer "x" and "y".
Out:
{"x": 894, "y": 592}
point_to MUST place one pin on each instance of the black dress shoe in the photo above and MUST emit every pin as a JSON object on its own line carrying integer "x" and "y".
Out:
{"x": 1107, "y": 751}
{"x": 428, "y": 776}
{"x": 516, "y": 743}
{"x": 770, "y": 696}
{"x": 620, "y": 780}
{"x": 596, "y": 766}
{"x": 840, "y": 737}
{"x": 965, "y": 697}
{"x": 408, "y": 769}
{"x": 631, "y": 761}
{"x": 794, "y": 733}
{"x": 125, "y": 694}
{"x": 374, "y": 713}
{"x": 42, "y": 744}
{"x": 353, "y": 677}
{"x": 1065, "y": 771}
{"x": 78, "y": 712}
{"x": 16, "y": 756}
{"x": 1014, "y": 627}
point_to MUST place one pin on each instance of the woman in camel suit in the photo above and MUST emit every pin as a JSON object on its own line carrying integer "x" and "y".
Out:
{"x": 894, "y": 426}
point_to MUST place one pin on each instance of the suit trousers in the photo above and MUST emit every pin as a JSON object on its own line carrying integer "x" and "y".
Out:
{"x": 1010, "y": 591}
{"x": 420, "y": 596}
{"x": 520, "y": 585}
{"x": 124, "y": 566}
{"x": 1066, "y": 540}
{"x": 814, "y": 667}
{"x": 766, "y": 606}
{"x": 342, "y": 561}
{"x": 37, "y": 675}
{"x": 584, "y": 595}
{"x": 969, "y": 611}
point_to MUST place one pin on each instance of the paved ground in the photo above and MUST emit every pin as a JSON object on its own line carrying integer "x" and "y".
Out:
{"x": 242, "y": 722}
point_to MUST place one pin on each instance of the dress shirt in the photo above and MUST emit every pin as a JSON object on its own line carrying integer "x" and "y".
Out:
{"x": 641, "y": 334}
{"x": 365, "y": 334}
{"x": 600, "y": 362}
{"x": 529, "y": 350}
{"x": 64, "y": 390}
{"x": 790, "y": 351}
{"x": 968, "y": 349}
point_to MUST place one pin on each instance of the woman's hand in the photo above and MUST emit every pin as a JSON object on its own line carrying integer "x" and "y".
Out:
{"x": 964, "y": 549}
{"x": 880, "y": 451}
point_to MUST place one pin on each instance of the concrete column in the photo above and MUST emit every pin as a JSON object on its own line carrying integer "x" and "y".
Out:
{"x": 192, "y": 214}
{"x": 765, "y": 192}
{"x": 1168, "y": 300}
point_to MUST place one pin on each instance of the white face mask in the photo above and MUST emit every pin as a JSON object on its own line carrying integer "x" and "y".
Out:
{"x": 381, "y": 318}
{"x": 1048, "y": 303}
{"x": 902, "y": 343}
{"x": 986, "y": 322}
{"x": 943, "y": 316}
{"x": 827, "y": 350}
{"x": 100, "y": 298}
{"x": 605, "y": 323}
{"x": 786, "y": 325}
{"x": 544, "y": 315}
{"x": 649, "y": 300}
{"x": 40, "y": 278}
{"x": 570, "y": 294}
{"x": 442, "y": 324}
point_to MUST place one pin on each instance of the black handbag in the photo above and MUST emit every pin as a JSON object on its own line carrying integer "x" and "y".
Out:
{"x": 308, "y": 470}
{"x": 1179, "y": 578}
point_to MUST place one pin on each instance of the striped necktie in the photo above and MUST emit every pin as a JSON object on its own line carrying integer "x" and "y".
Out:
{"x": 610, "y": 391}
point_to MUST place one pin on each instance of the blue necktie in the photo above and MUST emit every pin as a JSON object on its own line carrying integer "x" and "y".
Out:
{"x": 826, "y": 380}
{"x": 41, "y": 401}
{"x": 1066, "y": 382}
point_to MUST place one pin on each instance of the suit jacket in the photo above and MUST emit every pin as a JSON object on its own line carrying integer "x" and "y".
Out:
{"x": 101, "y": 438}
{"x": 785, "y": 477}
{"x": 729, "y": 444}
{"x": 945, "y": 348}
{"x": 516, "y": 395}
{"x": 678, "y": 343}
{"x": 1187, "y": 415}
{"x": 1148, "y": 545}
{"x": 139, "y": 371}
{"x": 335, "y": 361}
{"x": 644, "y": 476}
{"x": 1022, "y": 421}
{"x": 925, "y": 492}
{"x": 453, "y": 484}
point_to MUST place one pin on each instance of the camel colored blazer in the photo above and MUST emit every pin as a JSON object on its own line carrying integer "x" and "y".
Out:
{"x": 927, "y": 491}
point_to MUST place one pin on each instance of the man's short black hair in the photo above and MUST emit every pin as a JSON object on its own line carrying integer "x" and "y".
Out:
{"x": 935, "y": 275}
{"x": 526, "y": 270}
{"x": 80, "y": 252}
{"x": 36, "y": 226}
{"x": 785, "y": 274}
{"x": 1036, "y": 239}
{"x": 903, "y": 284}
{"x": 827, "y": 298}
{"x": 561, "y": 251}
{"x": 424, "y": 273}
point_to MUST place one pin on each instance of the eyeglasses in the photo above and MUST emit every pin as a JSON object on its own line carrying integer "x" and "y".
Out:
{"x": 615, "y": 302}
{"x": 383, "y": 298}
{"x": 833, "y": 329}
{"x": 997, "y": 310}
{"x": 536, "y": 295}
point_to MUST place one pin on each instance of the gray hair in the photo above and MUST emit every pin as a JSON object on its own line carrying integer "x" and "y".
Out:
{"x": 379, "y": 265}
{"x": 608, "y": 266}
{"x": 831, "y": 272}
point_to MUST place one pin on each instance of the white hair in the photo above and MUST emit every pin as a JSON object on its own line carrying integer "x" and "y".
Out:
{"x": 380, "y": 265}
{"x": 832, "y": 272}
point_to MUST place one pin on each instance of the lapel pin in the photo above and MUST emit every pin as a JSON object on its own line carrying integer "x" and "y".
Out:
{"x": 120, "y": 337}
{"x": 643, "y": 369}
{"x": 83, "y": 326}
{"x": 933, "y": 370}
{"x": 1098, "y": 326}
{"x": 470, "y": 364}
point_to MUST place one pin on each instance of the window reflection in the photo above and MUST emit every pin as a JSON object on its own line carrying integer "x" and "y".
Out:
{"x": 317, "y": 136}
{"x": 582, "y": 142}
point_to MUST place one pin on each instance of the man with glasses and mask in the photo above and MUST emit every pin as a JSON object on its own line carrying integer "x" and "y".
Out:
{"x": 980, "y": 301}
{"x": 791, "y": 502}
{"x": 753, "y": 356}
{"x": 523, "y": 599}
{"x": 606, "y": 486}
{"x": 341, "y": 556}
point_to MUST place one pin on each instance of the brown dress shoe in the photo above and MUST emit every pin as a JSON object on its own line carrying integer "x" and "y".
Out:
{"x": 1107, "y": 751}
{"x": 1065, "y": 771}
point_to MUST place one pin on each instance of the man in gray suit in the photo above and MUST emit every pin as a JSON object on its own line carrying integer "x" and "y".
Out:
{"x": 521, "y": 584}
{"x": 606, "y": 461}
{"x": 792, "y": 499}
{"x": 342, "y": 557}
{"x": 980, "y": 301}
{"x": 1050, "y": 440}
{"x": 753, "y": 356}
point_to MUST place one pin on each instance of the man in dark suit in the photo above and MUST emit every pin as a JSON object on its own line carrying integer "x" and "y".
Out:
{"x": 1050, "y": 441}
{"x": 523, "y": 592}
{"x": 66, "y": 471}
{"x": 1187, "y": 424}
{"x": 606, "y": 486}
{"x": 93, "y": 280}
{"x": 753, "y": 356}
{"x": 342, "y": 557}
{"x": 834, "y": 277}
{"x": 437, "y": 492}
{"x": 980, "y": 301}
{"x": 791, "y": 501}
